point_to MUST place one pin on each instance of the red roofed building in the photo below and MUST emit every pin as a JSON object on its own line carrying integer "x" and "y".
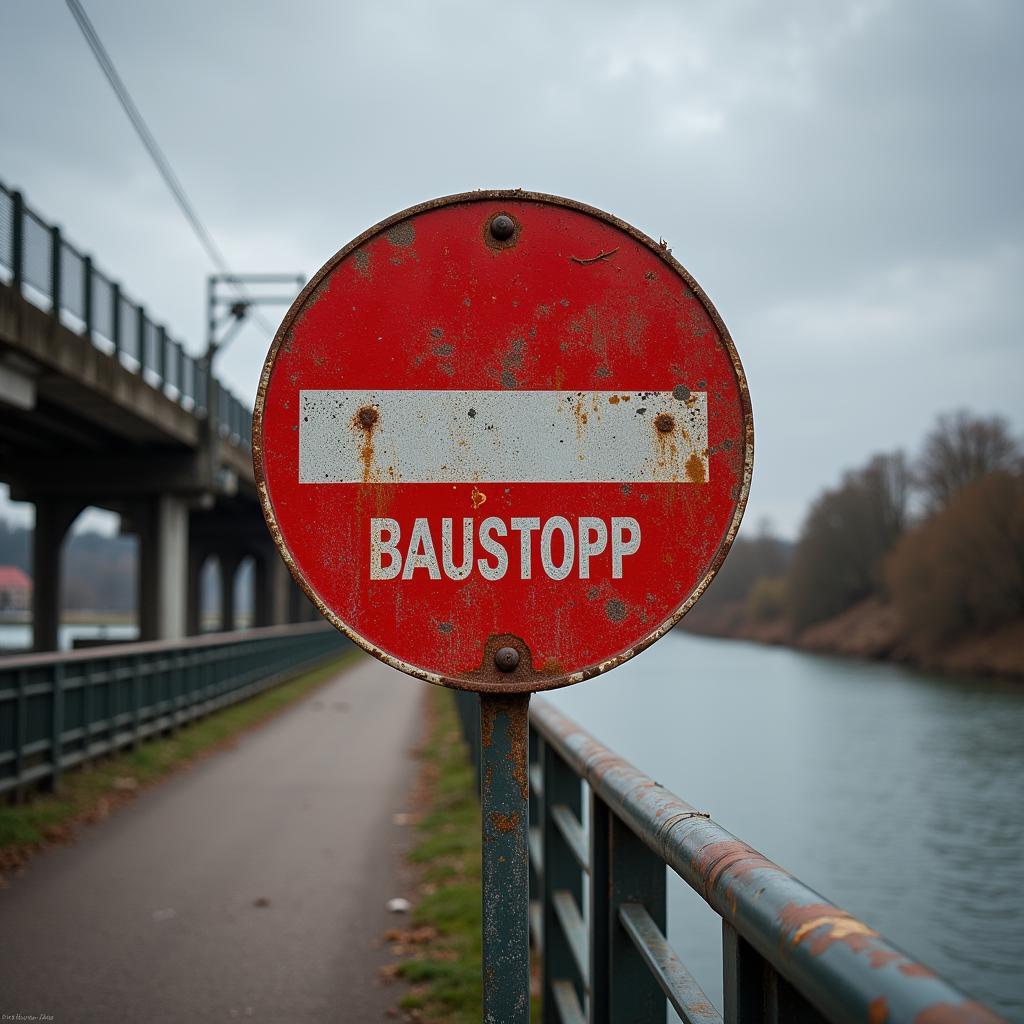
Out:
{"x": 15, "y": 589}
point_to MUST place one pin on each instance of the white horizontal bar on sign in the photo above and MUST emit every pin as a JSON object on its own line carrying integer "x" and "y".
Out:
{"x": 503, "y": 436}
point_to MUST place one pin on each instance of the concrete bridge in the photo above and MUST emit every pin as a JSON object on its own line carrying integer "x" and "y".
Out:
{"x": 100, "y": 406}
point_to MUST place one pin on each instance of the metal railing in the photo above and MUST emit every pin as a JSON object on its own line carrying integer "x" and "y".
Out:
{"x": 42, "y": 266}
{"x": 598, "y": 907}
{"x": 58, "y": 711}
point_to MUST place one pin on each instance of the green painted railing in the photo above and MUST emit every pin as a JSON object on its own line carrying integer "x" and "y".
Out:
{"x": 58, "y": 711}
{"x": 602, "y": 837}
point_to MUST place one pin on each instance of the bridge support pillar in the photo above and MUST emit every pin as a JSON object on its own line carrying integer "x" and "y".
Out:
{"x": 228, "y": 577}
{"x": 54, "y": 517}
{"x": 271, "y": 587}
{"x": 163, "y": 568}
{"x": 300, "y": 608}
{"x": 194, "y": 601}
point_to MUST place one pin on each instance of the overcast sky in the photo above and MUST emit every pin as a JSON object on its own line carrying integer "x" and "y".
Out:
{"x": 843, "y": 178}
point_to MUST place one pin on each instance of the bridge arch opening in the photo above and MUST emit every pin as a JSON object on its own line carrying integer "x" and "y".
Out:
{"x": 245, "y": 592}
{"x": 209, "y": 597}
{"x": 98, "y": 601}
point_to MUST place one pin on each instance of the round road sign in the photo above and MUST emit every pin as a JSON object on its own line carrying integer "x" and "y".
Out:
{"x": 503, "y": 441}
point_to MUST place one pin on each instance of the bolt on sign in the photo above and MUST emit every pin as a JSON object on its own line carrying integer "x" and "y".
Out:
{"x": 503, "y": 421}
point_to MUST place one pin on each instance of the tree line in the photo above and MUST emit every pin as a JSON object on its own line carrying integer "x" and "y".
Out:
{"x": 938, "y": 536}
{"x": 98, "y": 570}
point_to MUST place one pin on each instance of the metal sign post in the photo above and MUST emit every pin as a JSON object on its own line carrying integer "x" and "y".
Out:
{"x": 505, "y": 831}
{"x": 503, "y": 441}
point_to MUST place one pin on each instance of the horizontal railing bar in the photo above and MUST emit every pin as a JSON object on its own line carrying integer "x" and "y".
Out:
{"x": 144, "y": 647}
{"x": 572, "y": 832}
{"x": 683, "y": 992}
{"x": 178, "y": 681}
{"x": 839, "y": 964}
{"x": 567, "y": 1002}
{"x": 536, "y": 843}
{"x": 575, "y": 931}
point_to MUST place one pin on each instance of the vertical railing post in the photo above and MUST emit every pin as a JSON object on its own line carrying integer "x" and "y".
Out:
{"x": 161, "y": 355}
{"x": 87, "y": 297}
{"x": 115, "y": 318}
{"x": 20, "y": 732}
{"x": 87, "y": 673}
{"x": 623, "y": 870}
{"x": 504, "y": 810}
{"x": 562, "y": 786}
{"x": 140, "y": 338}
{"x": 136, "y": 698}
{"x": 55, "y": 273}
{"x": 17, "y": 241}
{"x": 56, "y": 725}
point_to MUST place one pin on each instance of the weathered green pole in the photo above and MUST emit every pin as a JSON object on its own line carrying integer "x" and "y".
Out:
{"x": 504, "y": 806}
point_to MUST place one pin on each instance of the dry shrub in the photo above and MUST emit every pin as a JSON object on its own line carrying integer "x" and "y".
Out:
{"x": 963, "y": 569}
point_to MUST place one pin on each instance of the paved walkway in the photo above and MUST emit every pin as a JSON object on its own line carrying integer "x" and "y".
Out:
{"x": 251, "y": 887}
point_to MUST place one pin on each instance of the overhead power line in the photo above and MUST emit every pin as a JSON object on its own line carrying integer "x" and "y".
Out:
{"x": 163, "y": 165}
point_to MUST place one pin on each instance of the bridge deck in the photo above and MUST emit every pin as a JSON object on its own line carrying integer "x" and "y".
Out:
{"x": 154, "y": 914}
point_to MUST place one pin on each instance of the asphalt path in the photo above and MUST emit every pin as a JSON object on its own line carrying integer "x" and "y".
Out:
{"x": 250, "y": 887}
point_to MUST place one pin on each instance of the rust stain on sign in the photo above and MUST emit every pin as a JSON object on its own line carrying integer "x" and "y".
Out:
{"x": 365, "y": 420}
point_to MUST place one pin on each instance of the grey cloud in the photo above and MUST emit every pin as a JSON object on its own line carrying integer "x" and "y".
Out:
{"x": 843, "y": 178}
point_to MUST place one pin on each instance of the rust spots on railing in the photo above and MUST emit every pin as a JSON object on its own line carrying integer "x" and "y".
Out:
{"x": 505, "y": 822}
{"x": 878, "y": 1010}
{"x": 822, "y": 925}
{"x": 731, "y": 856}
{"x": 967, "y": 1012}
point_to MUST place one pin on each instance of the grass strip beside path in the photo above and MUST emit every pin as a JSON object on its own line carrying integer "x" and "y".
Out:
{"x": 440, "y": 954}
{"x": 92, "y": 792}
{"x": 443, "y": 949}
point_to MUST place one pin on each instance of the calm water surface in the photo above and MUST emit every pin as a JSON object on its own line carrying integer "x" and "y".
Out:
{"x": 16, "y": 637}
{"x": 898, "y": 795}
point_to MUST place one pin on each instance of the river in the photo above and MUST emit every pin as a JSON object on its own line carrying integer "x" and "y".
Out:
{"x": 16, "y": 637}
{"x": 896, "y": 794}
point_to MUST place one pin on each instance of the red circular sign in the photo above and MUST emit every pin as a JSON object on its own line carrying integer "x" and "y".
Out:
{"x": 503, "y": 422}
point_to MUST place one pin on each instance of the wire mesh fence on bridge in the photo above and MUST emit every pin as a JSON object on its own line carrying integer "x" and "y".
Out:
{"x": 51, "y": 273}
{"x": 58, "y": 711}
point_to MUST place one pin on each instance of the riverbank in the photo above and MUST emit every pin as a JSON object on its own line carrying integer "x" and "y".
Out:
{"x": 872, "y": 630}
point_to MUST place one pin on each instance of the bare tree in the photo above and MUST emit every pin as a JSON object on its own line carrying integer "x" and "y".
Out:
{"x": 846, "y": 535}
{"x": 960, "y": 449}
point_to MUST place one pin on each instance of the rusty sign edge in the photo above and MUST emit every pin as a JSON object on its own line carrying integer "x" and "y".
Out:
{"x": 488, "y": 681}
